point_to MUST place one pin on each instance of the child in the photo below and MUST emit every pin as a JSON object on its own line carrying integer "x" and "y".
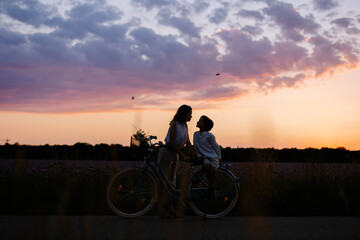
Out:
{"x": 207, "y": 149}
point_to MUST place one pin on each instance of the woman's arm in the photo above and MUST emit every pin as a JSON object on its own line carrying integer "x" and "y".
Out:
{"x": 172, "y": 142}
{"x": 191, "y": 148}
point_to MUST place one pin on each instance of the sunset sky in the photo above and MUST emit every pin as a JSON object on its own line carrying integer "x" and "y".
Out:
{"x": 96, "y": 70}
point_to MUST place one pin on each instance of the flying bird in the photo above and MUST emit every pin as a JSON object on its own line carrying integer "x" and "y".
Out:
{"x": 217, "y": 74}
{"x": 132, "y": 97}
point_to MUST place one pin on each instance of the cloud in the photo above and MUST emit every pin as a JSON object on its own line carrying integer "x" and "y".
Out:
{"x": 95, "y": 57}
{"x": 325, "y": 4}
{"x": 250, "y": 58}
{"x": 253, "y": 30}
{"x": 10, "y": 38}
{"x": 94, "y": 13}
{"x": 251, "y": 14}
{"x": 184, "y": 25}
{"x": 200, "y": 6}
{"x": 324, "y": 57}
{"x": 290, "y": 21}
{"x": 28, "y": 11}
{"x": 342, "y": 22}
{"x": 346, "y": 23}
{"x": 282, "y": 81}
{"x": 348, "y": 52}
{"x": 215, "y": 93}
{"x": 218, "y": 15}
{"x": 85, "y": 19}
{"x": 150, "y": 4}
{"x": 166, "y": 54}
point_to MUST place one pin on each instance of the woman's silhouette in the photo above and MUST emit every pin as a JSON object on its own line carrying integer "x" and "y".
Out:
{"x": 177, "y": 138}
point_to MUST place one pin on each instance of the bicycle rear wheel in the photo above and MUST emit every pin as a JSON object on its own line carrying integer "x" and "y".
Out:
{"x": 224, "y": 199}
{"x": 132, "y": 192}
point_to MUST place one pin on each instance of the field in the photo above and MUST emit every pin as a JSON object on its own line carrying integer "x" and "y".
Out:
{"x": 273, "y": 189}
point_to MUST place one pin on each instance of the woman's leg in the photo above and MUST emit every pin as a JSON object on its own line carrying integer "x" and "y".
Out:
{"x": 165, "y": 159}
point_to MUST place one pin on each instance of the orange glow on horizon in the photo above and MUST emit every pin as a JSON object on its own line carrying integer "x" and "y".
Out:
{"x": 318, "y": 114}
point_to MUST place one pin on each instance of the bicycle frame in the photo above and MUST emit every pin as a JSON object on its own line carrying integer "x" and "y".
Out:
{"x": 150, "y": 176}
{"x": 152, "y": 166}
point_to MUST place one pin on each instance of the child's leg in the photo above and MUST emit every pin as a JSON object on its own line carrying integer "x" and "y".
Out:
{"x": 210, "y": 172}
{"x": 206, "y": 168}
{"x": 211, "y": 177}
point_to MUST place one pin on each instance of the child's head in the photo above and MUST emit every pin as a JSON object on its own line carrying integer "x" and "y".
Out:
{"x": 207, "y": 123}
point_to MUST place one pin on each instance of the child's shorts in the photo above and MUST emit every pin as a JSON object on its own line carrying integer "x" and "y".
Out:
{"x": 212, "y": 162}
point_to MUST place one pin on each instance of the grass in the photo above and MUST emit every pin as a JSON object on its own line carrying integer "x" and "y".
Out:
{"x": 311, "y": 190}
{"x": 60, "y": 190}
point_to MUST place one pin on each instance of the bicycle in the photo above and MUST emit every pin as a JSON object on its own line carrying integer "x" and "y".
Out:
{"x": 133, "y": 192}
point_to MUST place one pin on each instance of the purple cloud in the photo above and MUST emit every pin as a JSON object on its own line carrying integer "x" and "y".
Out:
{"x": 150, "y": 4}
{"x": 183, "y": 24}
{"x": 249, "y": 58}
{"x": 342, "y": 22}
{"x": 167, "y": 54}
{"x": 10, "y": 38}
{"x": 348, "y": 52}
{"x": 346, "y": 23}
{"x": 88, "y": 18}
{"x": 200, "y": 5}
{"x": 290, "y": 20}
{"x": 251, "y": 14}
{"x": 324, "y": 56}
{"x": 253, "y": 30}
{"x": 215, "y": 93}
{"x": 218, "y": 15}
{"x": 325, "y": 4}
{"x": 95, "y": 58}
{"x": 281, "y": 82}
{"x": 28, "y": 11}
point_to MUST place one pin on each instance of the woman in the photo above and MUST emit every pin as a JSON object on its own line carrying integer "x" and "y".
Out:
{"x": 177, "y": 138}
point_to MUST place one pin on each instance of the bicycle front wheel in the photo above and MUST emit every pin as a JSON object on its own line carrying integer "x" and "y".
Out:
{"x": 132, "y": 192}
{"x": 224, "y": 199}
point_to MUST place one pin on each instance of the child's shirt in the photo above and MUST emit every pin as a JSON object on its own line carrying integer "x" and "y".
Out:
{"x": 206, "y": 145}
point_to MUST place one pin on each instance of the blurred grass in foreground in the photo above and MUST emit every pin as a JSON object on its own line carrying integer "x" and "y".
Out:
{"x": 61, "y": 190}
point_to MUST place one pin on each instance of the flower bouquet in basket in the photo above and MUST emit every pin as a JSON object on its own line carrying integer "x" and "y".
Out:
{"x": 139, "y": 144}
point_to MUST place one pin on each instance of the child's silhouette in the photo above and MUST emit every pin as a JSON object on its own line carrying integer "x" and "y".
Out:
{"x": 207, "y": 149}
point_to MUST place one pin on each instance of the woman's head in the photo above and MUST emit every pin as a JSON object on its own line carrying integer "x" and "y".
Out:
{"x": 183, "y": 114}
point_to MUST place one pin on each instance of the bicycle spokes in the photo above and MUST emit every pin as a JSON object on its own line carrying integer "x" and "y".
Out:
{"x": 132, "y": 192}
{"x": 220, "y": 202}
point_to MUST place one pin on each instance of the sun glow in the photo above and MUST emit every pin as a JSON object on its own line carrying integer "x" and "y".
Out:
{"x": 317, "y": 115}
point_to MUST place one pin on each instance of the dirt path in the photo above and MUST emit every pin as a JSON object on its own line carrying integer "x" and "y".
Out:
{"x": 114, "y": 227}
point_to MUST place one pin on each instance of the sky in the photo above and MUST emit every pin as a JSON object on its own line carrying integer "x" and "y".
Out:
{"x": 269, "y": 73}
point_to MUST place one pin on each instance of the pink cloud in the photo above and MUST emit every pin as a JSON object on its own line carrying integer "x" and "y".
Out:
{"x": 91, "y": 62}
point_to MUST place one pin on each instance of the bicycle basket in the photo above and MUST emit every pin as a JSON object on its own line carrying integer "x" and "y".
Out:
{"x": 138, "y": 148}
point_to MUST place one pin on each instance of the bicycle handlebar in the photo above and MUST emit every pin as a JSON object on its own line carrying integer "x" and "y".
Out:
{"x": 153, "y": 144}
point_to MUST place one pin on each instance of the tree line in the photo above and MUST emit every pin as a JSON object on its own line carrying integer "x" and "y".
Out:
{"x": 85, "y": 151}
